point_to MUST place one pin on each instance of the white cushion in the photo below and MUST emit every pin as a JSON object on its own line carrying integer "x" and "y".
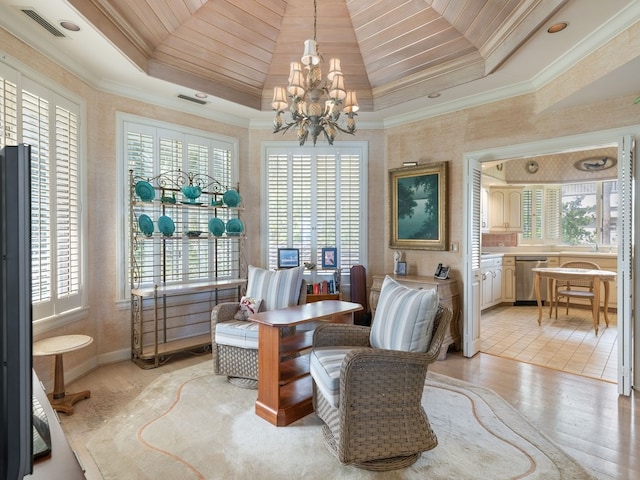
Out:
{"x": 404, "y": 317}
{"x": 277, "y": 288}
{"x": 324, "y": 366}
{"x": 237, "y": 333}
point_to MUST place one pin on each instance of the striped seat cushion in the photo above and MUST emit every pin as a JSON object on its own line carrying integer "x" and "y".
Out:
{"x": 404, "y": 317}
{"x": 237, "y": 333}
{"x": 324, "y": 366}
{"x": 277, "y": 289}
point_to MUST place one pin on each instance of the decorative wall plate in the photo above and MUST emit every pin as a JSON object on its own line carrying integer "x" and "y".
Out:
{"x": 231, "y": 198}
{"x": 145, "y": 191}
{"x": 531, "y": 166}
{"x": 235, "y": 227}
{"x": 166, "y": 225}
{"x": 146, "y": 225}
{"x": 595, "y": 164}
{"x": 216, "y": 226}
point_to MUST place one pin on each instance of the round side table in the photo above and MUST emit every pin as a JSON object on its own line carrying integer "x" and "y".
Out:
{"x": 61, "y": 401}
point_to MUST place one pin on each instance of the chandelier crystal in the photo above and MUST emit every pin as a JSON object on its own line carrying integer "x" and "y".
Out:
{"x": 315, "y": 103}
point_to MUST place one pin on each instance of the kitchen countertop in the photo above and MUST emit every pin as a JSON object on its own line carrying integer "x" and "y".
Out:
{"x": 562, "y": 253}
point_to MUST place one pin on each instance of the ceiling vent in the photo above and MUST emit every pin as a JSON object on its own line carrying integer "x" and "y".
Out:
{"x": 191, "y": 99}
{"x": 36, "y": 17}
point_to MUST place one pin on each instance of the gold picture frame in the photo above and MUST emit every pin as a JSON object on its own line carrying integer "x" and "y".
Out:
{"x": 419, "y": 207}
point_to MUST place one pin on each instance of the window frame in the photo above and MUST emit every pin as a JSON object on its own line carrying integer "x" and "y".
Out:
{"x": 269, "y": 252}
{"x": 58, "y": 311}
{"x": 549, "y": 239}
{"x": 151, "y": 127}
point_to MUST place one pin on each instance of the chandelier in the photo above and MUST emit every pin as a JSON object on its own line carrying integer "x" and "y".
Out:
{"x": 315, "y": 103}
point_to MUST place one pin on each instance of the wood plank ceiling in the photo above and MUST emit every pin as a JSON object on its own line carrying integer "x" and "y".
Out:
{"x": 391, "y": 51}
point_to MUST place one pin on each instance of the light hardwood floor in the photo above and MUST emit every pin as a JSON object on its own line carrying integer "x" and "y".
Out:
{"x": 586, "y": 417}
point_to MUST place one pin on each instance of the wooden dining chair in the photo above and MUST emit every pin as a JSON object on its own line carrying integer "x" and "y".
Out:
{"x": 575, "y": 288}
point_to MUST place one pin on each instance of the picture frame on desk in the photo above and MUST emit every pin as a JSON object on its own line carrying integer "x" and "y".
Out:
{"x": 419, "y": 207}
{"x": 288, "y": 257}
{"x": 329, "y": 257}
{"x": 402, "y": 268}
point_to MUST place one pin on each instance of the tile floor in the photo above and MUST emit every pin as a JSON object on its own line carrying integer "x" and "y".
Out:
{"x": 567, "y": 344}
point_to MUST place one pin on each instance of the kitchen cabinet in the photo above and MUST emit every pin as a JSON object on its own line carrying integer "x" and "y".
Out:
{"x": 484, "y": 210}
{"x": 491, "y": 286}
{"x": 505, "y": 209}
{"x": 509, "y": 279}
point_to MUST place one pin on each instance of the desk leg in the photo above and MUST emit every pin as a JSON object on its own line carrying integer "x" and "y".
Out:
{"x": 606, "y": 302}
{"x": 536, "y": 283}
{"x": 268, "y": 402}
{"x": 59, "y": 399}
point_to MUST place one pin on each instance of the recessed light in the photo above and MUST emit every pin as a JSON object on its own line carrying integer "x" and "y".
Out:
{"x": 557, "y": 27}
{"x": 201, "y": 95}
{"x": 434, "y": 95}
{"x": 67, "y": 25}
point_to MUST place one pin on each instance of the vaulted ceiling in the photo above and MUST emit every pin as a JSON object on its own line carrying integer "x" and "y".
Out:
{"x": 392, "y": 51}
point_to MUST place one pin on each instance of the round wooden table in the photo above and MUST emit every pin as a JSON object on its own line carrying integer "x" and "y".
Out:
{"x": 60, "y": 400}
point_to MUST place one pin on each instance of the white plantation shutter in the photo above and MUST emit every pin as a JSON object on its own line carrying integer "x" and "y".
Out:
{"x": 542, "y": 214}
{"x": 35, "y": 132}
{"x": 8, "y": 108}
{"x": 35, "y": 115}
{"x": 67, "y": 211}
{"x": 352, "y": 201}
{"x": 278, "y": 204}
{"x": 316, "y": 199}
{"x": 326, "y": 208}
{"x": 553, "y": 214}
{"x": 476, "y": 218}
{"x": 302, "y": 226}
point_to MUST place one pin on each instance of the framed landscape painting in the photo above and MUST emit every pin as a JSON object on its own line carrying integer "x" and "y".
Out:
{"x": 419, "y": 207}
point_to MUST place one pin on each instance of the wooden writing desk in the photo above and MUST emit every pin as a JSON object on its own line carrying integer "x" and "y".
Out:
{"x": 559, "y": 273}
{"x": 284, "y": 385}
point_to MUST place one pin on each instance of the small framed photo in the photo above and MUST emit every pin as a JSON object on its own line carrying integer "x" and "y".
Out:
{"x": 402, "y": 268}
{"x": 330, "y": 257}
{"x": 288, "y": 257}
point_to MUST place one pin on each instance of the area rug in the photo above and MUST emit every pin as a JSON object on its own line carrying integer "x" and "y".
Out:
{"x": 191, "y": 424}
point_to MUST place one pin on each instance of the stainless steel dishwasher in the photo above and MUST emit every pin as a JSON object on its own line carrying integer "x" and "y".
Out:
{"x": 525, "y": 289}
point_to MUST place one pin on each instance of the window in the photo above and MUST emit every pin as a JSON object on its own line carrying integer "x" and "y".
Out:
{"x": 316, "y": 198}
{"x": 589, "y": 213}
{"x": 33, "y": 114}
{"x": 571, "y": 214}
{"x": 541, "y": 214}
{"x": 151, "y": 149}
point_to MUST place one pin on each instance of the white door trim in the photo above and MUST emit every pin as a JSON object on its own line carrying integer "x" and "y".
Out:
{"x": 542, "y": 147}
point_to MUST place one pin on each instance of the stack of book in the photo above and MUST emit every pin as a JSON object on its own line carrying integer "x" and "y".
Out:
{"x": 324, "y": 287}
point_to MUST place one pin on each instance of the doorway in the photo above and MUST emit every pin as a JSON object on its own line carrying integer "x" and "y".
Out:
{"x": 473, "y": 162}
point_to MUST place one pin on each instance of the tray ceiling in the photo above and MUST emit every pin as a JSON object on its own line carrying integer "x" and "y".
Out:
{"x": 391, "y": 51}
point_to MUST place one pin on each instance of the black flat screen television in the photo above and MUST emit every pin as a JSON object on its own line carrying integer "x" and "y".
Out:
{"x": 288, "y": 257}
{"x": 16, "y": 395}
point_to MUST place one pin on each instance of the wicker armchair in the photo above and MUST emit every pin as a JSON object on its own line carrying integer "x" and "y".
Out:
{"x": 377, "y": 421}
{"x": 239, "y": 362}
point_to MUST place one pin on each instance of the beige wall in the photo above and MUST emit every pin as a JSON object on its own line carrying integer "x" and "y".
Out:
{"x": 444, "y": 138}
{"x": 448, "y": 137}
